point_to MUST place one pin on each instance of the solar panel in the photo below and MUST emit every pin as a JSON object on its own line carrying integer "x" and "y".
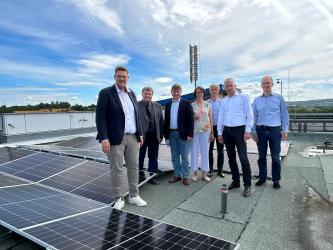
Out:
{"x": 23, "y": 193}
{"x": 8, "y": 154}
{"x": 75, "y": 141}
{"x": 91, "y": 180}
{"x": 39, "y": 166}
{"x": 109, "y": 228}
{"x": 6, "y": 181}
{"x": 31, "y": 205}
{"x": 68, "y": 151}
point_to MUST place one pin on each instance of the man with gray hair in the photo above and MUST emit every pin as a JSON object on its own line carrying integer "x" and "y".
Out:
{"x": 152, "y": 124}
{"x": 234, "y": 127}
{"x": 215, "y": 102}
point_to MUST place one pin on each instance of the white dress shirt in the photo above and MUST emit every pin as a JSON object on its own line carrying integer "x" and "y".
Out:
{"x": 174, "y": 114}
{"x": 235, "y": 111}
{"x": 128, "y": 108}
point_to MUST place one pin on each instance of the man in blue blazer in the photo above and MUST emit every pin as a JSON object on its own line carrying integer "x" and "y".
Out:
{"x": 178, "y": 132}
{"x": 119, "y": 132}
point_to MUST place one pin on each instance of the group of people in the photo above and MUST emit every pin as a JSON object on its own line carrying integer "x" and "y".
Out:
{"x": 127, "y": 129}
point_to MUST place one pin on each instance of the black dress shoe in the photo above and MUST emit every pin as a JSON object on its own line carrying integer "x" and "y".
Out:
{"x": 221, "y": 175}
{"x": 153, "y": 182}
{"x": 234, "y": 185}
{"x": 276, "y": 185}
{"x": 247, "y": 191}
{"x": 210, "y": 174}
{"x": 260, "y": 182}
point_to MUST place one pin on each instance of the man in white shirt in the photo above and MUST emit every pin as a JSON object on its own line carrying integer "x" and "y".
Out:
{"x": 215, "y": 102}
{"x": 234, "y": 127}
{"x": 119, "y": 132}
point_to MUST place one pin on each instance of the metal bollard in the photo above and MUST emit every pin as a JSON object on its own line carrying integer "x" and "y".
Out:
{"x": 224, "y": 199}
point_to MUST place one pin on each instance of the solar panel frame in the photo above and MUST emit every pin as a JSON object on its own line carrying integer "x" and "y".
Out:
{"x": 109, "y": 228}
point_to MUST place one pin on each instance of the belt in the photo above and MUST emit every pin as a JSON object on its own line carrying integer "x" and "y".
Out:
{"x": 232, "y": 128}
{"x": 268, "y": 127}
{"x": 173, "y": 129}
{"x": 129, "y": 134}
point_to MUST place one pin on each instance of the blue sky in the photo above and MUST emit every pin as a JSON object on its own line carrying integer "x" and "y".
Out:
{"x": 66, "y": 50}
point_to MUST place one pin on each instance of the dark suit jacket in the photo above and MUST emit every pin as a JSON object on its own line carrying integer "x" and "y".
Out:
{"x": 185, "y": 119}
{"x": 110, "y": 117}
{"x": 158, "y": 119}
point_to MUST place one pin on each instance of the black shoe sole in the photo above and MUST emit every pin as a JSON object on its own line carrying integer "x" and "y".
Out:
{"x": 260, "y": 184}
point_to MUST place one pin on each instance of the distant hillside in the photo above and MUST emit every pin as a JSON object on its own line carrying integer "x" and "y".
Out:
{"x": 312, "y": 103}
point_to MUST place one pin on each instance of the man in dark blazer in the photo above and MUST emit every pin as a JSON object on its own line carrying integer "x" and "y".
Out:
{"x": 178, "y": 132}
{"x": 119, "y": 132}
{"x": 152, "y": 124}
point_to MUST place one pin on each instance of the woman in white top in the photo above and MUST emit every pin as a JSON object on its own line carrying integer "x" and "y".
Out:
{"x": 203, "y": 134}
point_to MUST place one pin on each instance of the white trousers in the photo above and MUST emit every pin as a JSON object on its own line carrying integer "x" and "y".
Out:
{"x": 200, "y": 146}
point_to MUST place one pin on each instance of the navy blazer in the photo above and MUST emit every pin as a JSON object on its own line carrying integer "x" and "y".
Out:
{"x": 110, "y": 116}
{"x": 185, "y": 120}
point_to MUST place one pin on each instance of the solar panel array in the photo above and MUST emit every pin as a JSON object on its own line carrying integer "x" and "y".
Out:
{"x": 63, "y": 202}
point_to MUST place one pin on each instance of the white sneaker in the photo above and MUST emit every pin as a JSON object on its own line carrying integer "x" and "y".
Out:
{"x": 206, "y": 178}
{"x": 119, "y": 204}
{"x": 195, "y": 176}
{"x": 137, "y": 200}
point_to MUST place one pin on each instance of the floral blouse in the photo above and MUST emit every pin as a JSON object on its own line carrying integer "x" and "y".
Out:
{"x": 201, "y": 117}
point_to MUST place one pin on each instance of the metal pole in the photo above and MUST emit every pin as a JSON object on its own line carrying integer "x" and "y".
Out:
{"x": 281, "y": 87}
{"x": 224, "y": 199}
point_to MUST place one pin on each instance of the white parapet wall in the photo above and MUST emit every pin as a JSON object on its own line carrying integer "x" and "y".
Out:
{"x": 14, "y": 125}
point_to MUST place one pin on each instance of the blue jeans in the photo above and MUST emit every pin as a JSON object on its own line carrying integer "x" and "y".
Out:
{"x": 269, "y": 136}
{"x": 179, "y": 148}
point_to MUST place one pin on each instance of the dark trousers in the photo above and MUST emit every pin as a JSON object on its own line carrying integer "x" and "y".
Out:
{"x": 220, "y": 154}
{"x": 150, "y": 143}
{"x": 234, "y": 138}
{"x": 269, "y": 136}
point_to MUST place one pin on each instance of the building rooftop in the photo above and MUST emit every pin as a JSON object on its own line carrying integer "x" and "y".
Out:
{"x": 298, "y": 216}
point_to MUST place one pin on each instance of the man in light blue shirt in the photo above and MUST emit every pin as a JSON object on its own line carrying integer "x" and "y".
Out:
{"x": 270, "y": 116}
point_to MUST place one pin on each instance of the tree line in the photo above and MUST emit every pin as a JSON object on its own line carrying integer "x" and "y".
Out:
{"x": 53, "y": 106}
{"x": 66, "y": 106}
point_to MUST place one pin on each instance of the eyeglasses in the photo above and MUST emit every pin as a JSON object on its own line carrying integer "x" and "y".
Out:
{"x": 199, "y": 92}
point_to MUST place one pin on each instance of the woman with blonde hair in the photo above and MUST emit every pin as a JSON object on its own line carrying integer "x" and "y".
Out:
{"x": 203, "y": 134}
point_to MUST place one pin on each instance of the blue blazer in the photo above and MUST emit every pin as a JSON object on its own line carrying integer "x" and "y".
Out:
{"x": 185, "y": 120}
{"x": 110, "y": 117}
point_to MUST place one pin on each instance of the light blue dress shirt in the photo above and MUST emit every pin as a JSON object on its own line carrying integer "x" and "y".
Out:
{"x": 174, "y": 114}
{"x": 215, "y": 109}
{"x": 270, "y": 111}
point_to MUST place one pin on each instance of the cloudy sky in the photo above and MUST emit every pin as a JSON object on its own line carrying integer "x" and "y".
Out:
{"x": 66, "y": 50}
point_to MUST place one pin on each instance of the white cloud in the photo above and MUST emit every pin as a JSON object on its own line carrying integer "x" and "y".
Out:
{"x": 164, "y": 79}
{"x": 100, "y": 62}
{"x": 100, "y": 10}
